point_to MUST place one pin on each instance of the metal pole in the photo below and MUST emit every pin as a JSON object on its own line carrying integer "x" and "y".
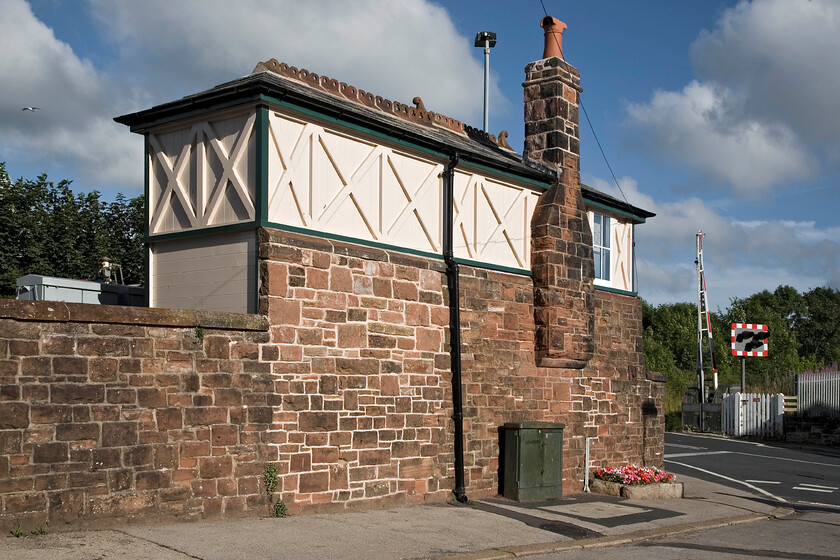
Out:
{"x": 743, "y": 375}
{"x": 700, "y": 377}
{"x": 586, "y": 473}
{"x": 486, "y": 39}
{"x": 486, "y": 85}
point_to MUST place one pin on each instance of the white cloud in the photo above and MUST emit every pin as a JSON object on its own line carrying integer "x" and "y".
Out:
{"x": 703, "y": 126}
{"x": 395, "y": 49}
{"x": 740, "y": 257}
{"x": 164, "y": 50}
{"x": 781, "y": 53}
{"x": 765, "y": 104}
{"x": 74, "y": 127}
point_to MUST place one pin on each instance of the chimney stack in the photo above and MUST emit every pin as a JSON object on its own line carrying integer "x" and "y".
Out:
{"x": 561, "y": 254}
{"x": 552, "y": 95}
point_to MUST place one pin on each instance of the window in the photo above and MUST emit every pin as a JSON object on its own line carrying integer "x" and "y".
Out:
{"x": 601, "y": 245}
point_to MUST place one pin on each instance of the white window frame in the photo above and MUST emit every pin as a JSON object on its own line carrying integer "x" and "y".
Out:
{"x": 598, "y": 244}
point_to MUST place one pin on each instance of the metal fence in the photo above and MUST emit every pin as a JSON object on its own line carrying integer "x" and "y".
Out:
{"x": 752, "y": 414}
{"x": 818, "y": 394}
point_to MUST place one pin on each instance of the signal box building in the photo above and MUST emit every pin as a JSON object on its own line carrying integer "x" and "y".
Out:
{"x": 360, "y": 296}
{"x": 324, "y": 207}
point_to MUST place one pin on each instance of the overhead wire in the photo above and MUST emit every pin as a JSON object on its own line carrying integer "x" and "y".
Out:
{"x": 589, "y": 121}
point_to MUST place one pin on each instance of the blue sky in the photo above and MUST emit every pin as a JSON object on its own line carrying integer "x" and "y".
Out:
{"x": 717, "y": 115}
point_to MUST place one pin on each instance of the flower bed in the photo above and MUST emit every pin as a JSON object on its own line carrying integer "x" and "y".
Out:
{"x": 631, "y": 474}
{"x": 635, "y": 483}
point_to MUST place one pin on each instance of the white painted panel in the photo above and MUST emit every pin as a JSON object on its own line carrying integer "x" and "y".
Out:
{"x": 493, "y": 220}
{"x": 327, "y": 180}
{"x": 215, "y": 273}
{"x": 464, "y": 220}
{"x": 622, "y": 264}
{"x": 203, "y": 173}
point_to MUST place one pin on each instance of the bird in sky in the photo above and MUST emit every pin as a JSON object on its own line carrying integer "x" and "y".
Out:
{"x": 33, "y": 109}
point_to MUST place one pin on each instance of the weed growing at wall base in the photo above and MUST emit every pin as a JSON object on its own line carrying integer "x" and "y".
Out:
{"x": 270, "y": 479}
{"x": 17, "y": 532}
{"x": 279, "y": 509}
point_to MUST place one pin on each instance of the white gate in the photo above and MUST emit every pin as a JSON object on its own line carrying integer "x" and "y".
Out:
{"x": 752, "y": 414}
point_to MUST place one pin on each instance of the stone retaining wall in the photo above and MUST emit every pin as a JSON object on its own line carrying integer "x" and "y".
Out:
{"x": 815, "y": 430}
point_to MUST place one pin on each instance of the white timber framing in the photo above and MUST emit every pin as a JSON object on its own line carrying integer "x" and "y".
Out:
{"x": 201, "y": 173}
{"x": 329, "y": 180}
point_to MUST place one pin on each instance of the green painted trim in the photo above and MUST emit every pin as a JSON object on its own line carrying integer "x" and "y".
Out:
{"x": 544, "y": 186}
{"x": 633, "y": 257}
{"x": 498, "y": 267}
{"x": 261, "y": 188}
{"x": 356, "y": 240}
{"x": 616, "y": 291}
{"x": 191, "y": 114}
{"x": 395, "y": 248}
{"x": 634, "y": 217}
{"x": 146, "y": 248}
{"x": 261, "y": 210}
{"x": 201, "y": 232}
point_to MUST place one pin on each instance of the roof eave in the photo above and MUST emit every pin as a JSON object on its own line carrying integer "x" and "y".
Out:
{"x": 256, "y": 88}
{"x": 606, "y": 202}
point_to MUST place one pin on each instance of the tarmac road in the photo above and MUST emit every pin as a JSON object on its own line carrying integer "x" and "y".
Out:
{"x": 797, "y": 477}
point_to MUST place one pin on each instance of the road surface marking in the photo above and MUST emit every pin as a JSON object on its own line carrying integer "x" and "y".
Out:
{"x": 697, "y": 454}
{"x": 683, "y": 446}
{"x": 818, "y": 486}
{"x": 784, "y": 459}
{"x": 813, "y": 489}
{"x": 763, "y": 481}
{"x": 756, "y": 488}
{"x": 819, "y": 504}
{"x": 755, "y": 443}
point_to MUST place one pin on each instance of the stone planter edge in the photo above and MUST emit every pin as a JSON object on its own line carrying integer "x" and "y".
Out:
{"x": 637, "y": 492}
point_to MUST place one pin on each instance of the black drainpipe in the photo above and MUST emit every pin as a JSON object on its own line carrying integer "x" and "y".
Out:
{"x": 454, "y": 323}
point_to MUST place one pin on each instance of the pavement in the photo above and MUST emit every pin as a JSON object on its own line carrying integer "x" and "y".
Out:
{"x": 484, "y": 530}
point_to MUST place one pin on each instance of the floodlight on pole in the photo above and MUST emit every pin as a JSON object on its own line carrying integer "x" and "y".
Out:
{"x": 486, "y": 39}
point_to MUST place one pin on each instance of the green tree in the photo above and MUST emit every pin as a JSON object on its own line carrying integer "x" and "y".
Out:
{"x": 818, "y": 327}
{"x": 674, "y": 326}
{"x": 779, "y": 311}
{"x": 670, "y": 347}
{"x": 47, "y": 229}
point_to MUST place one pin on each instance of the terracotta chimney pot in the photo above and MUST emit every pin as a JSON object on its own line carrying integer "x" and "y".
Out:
{"x": 553, "y": 37}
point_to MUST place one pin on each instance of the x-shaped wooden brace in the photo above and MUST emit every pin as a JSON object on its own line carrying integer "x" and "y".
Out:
{"x": 502, "y": 224}
{"x": 229, "y": 173}
{"x": 291, "y": 167}
{"x": 173, "y": 185}
{"x": 410, "y": 209}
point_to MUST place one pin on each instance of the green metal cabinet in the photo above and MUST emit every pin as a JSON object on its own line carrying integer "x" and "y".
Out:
{"x": 533, "y": 460}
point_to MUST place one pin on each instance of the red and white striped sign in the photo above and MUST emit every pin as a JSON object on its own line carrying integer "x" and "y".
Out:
{"x": 740, "y": 327}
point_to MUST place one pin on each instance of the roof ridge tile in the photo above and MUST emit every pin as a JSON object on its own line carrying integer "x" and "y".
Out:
{"x": 416, "y": 113}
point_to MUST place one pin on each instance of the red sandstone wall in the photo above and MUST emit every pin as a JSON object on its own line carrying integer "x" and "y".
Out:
{"x": 604, "y": 401}
{"x": 111, "y": 412}
{"x": 358, "y": 336}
